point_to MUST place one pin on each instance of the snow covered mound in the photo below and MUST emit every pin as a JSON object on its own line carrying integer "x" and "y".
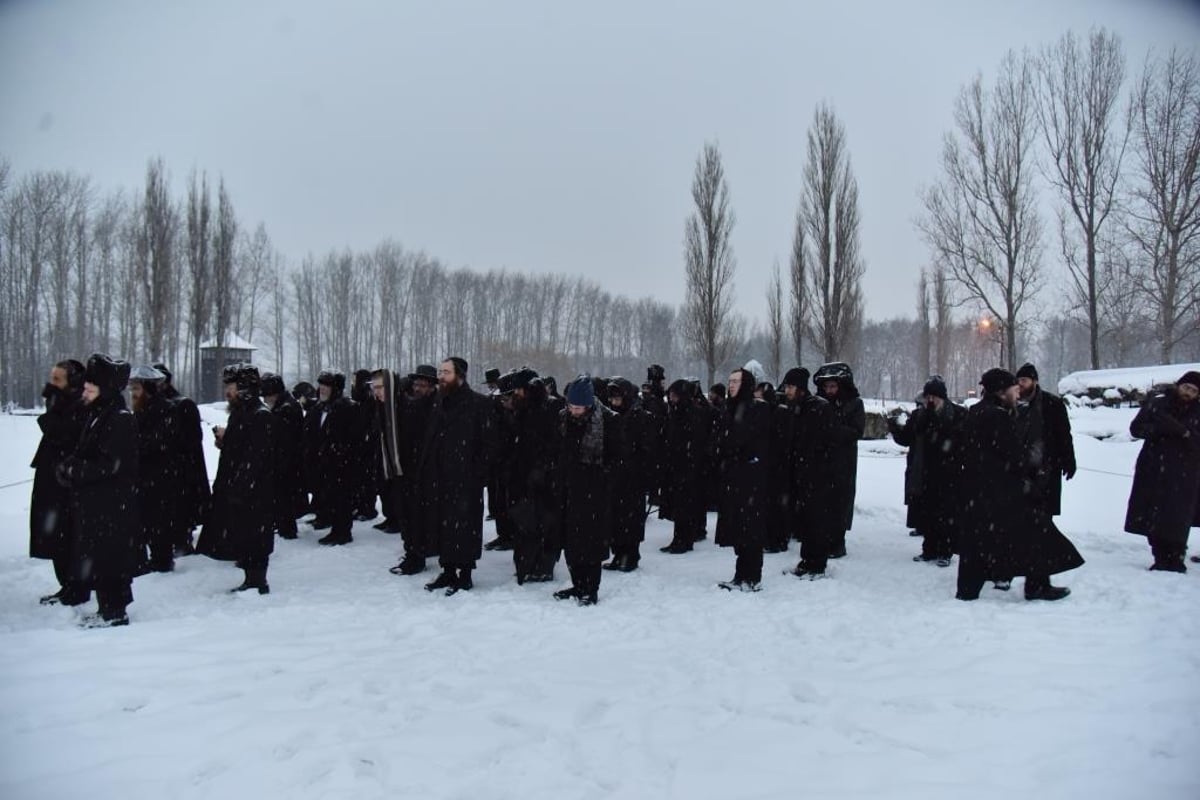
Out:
{"x": 1113, "y": 386}
{"x": 348, "y": 682}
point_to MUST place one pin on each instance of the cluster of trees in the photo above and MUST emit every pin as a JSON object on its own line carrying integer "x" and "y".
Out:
{"x": 151, "y": 276}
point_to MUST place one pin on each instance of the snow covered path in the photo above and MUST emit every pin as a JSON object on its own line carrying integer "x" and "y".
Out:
{"x": 348, "y": 682}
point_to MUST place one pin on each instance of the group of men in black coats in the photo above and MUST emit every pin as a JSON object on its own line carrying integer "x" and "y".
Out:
{"x": 986, "y": 483}
{"x": 118, "y": 492}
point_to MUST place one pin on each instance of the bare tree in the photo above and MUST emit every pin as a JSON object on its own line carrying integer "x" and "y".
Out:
{"x": 981, "y": 219}
{"x": 826, "y": 247}
{"x": 1080, "y": 90}
{"x": 1165, "y": 203}
{"x": 708, "y": 318}
{"x": 200, "y": 270}
{"x": 156, "y": 258}
{"x": 775, "y": 323}
{"x": 943, "y": 321}
{"x": 924, "y": 335}
{"x": 224, "y": 237}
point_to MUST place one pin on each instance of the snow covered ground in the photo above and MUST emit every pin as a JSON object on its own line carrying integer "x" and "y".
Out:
{"x": 348, "y": 682}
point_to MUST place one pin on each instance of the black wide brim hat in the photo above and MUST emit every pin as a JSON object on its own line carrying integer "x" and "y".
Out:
{"x": 110, "y": 375}
{"x": 424, "y": 372}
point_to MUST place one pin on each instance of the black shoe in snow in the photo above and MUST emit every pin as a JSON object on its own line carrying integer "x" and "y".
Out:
{"x": 263, "y": 588}
{"x": 839, "y": 552}
{"x": 775, "y": 548}
{"x": 731, "y": 585}
{"x": 366, "y": 516}
{"x": 382, "y": 526}
{"x": 501, "y": 543}
{"x": 805, "y": 571}
{"x": 1047, "y": 592}
{"x": 566, "y": 594}
{"x": 943, "y": 562}
{"x": 319, "y": 524}
{"x": 53, "y": 599}
{"x": 100, "y": 621}
{"x": 587, "y": 600}
{"x": 443, "y": 581}
{"x": 614, "y": 564}
{"x": 409, "y": 566}
{"x": 288, "y": 535}
{"x": 915, "y": 533}
{"x": 1002, "y": 586}
{"x": 1168, "y": 566}
{"x": 1196, "y": 559}
{"x": 332, "y": 539}
{"x": 677, "y": 548}
{"x": 462, "y": 583}
{"x": 924, "y": 559}
{"x": 751, "y": 586}
{"x": 961, "y": 596}
{"x": 539, "y": 577}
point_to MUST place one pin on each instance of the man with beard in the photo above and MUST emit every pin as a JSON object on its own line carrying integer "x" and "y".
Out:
{"x": 414, "y": 424}
{"x": 1045, "y": 431}
{"x": 932, "y": 478}
{"x": 290, "y": 498}
{"x": 743, "y": 442}
{"x": 1003, "y": 533}
{"x": 385, "y": 429}
{"x": 337, "y": 440}
{"x": 241, "y": 526}
{"x": 159, "y": 490}
{"x": 593, "y": 445}
{"x": 835, "y": 382}
{"x": 454, "y": 467}
{"x": 631, "y": 479}
{"x": 808, "y": 438}
{"x": 102, "y": 475}
{"x": 685, "y": 470}
{"x": 186, "y": 465}
{"x": 1166, "y": 481}
{"x": 50, "y": 504}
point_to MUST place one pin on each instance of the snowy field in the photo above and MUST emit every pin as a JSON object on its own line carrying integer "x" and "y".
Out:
{"x": 347, "y": 682}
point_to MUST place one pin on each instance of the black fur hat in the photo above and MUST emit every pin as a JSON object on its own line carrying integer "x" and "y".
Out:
{"x": 110, "y": 375}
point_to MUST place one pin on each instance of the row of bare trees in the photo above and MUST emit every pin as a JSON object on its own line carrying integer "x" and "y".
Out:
{"x": 1122, "y": 166}
{"x": 150, "y": 276}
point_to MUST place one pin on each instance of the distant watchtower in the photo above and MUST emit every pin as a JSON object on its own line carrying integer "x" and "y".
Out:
{"x": 214, "y": 357}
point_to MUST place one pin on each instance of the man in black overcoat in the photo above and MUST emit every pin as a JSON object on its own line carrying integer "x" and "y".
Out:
{"x": 241, "y": 527}
{"x": 160, "y": 486}
{"x": 290, "y": 498}
{"x": 807, "y": 441}
{"x": 455, "y": 463}
{"x": 933, "y": 434}
{"x": 1045, "y": 432}
{"x": 1163, "y": 503}
{"x": 187, "y": 465}
{"x": 414, "y": 423}
{"x": 337, "y": 439}
{"x": 743, "y": 455}
{"x": 50, "y": 504}
{"x": 102, "y": 475}
{"x": 835, "y": 383}
{"x": 686, "y": 465}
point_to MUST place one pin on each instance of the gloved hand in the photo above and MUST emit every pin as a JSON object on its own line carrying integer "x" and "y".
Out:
{"x": 1069, "y": 471}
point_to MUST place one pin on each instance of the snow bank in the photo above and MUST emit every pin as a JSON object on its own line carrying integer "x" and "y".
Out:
{"x": 347, "y": 682}
{"x": 1126, "y": 384}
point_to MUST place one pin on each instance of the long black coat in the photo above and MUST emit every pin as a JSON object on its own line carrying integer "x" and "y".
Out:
{"x": 1163, "y": 501}
{"x": 455, "y": 461}
{"x": 743, "y": 463}
{"x": 586, "y": 487}
{"x": 289, "y": 458}
{"x": 850, "y": 422}
{"x": 186, "y": 462}
{"x": 1005, "y": 533}
{"x": 532, "y": 469}
{"x": 808, "y": 436}
{"x": 1045, "y": 431}
{"x": 242, "y": 522}
{"x": 49, "y": 506}
{"x": 104, "y": 509}
{"x": 933, "y": 473}
{"x": 686, "y": 467}
{"x": 339, "y": 442}
{"x": 160, "y": 488}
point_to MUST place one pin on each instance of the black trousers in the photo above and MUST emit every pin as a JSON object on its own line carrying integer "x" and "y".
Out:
{"x": 971, "y": 576}
{"x": 749, "y": 563}
{"x": 113, "y": 596}
{"x": 814, "y": 548}
{"x": 1167, "y": 552}
{"x": 938, "y": 541}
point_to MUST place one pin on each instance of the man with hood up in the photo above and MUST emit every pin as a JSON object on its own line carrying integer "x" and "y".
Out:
{"x": 835, "y": 383}
{"x": 50, "y": 504}
{"x": 743, "y": 445}
{"x": 241, "y": 527}
{"x": 290, "y": 498}
{"x": 159, "y": 488}
{"x": 102, "y": 476}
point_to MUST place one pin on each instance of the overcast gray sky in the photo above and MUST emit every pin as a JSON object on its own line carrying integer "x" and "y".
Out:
{"x": 539, "y": 136}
